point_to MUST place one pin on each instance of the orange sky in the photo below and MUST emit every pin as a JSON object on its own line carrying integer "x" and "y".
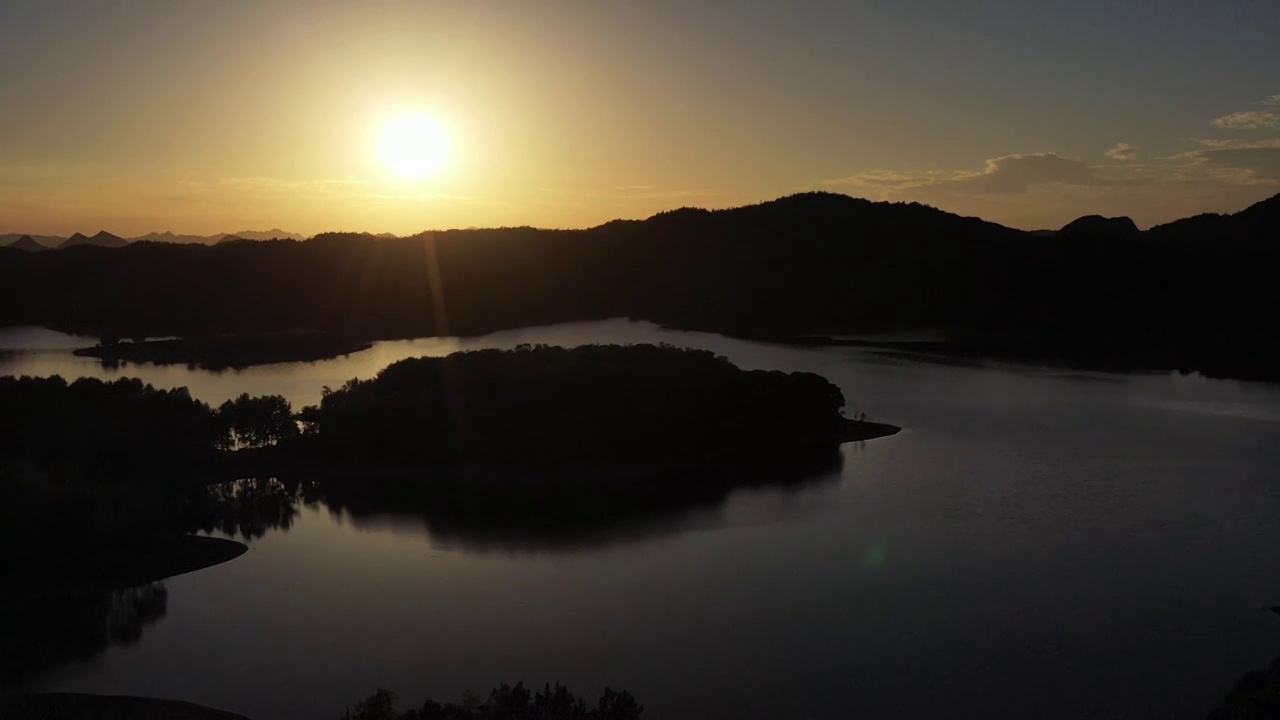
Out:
{"x": 216, "y": 117}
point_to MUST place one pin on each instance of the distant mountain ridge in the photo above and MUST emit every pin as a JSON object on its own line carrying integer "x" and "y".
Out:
{"x": 169, "y": 237}
{"x": 1195, "y": 294}
{"x": 45, "y": 241}
{"x": 101, "y": 239}
{"x": 24, "y": 241}
{"x": 272, "y": 234}
{"x": 28, "y": 244}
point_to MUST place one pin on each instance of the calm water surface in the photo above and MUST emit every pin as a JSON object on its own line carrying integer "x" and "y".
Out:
{"x": 1036, "y": 543}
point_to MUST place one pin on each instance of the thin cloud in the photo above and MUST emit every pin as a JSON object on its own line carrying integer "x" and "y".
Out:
{"x": 1268, "y": 117}
{"x": 1015, "y": 174}
{"x": 1004, "y": 175}
{"x": 1247, "y": 163}
{"x": 1248, "y": 120}
{"x": 1123, "y": 151}
{"x": 1250, "y": 165}
{"x": 892, "y": 179}
{"x": 1223, "y": 144}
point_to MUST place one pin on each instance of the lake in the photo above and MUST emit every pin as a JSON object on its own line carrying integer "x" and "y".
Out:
{"x": 1037, "y": 542}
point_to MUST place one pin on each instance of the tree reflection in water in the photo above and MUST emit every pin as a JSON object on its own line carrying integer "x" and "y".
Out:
{"x": 493, "y": 509}
{"x": 249, "y": 507}
{"x": 497, "y": 511}
{"x": 40, "y": 636}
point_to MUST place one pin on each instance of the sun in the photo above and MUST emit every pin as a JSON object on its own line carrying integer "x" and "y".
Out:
{"x": 413, "y": 146}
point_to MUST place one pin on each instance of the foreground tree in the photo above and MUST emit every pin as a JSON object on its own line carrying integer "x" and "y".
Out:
{"x": 248, "y": 422}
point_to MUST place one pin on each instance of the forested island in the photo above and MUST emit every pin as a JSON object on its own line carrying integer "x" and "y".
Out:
{"x": 1193, "y": 295}
{"x": 222, "y": 352}
{"x": 608, "y": 431}
{"x": 544, "y": 407}
{"x": 618, "y": 413}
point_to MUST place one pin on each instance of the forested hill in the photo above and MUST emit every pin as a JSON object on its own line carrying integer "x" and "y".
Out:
{"x": 1197, "y": 292}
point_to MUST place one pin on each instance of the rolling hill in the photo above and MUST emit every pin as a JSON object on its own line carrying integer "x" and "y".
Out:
{"x": 1197, "y": 294}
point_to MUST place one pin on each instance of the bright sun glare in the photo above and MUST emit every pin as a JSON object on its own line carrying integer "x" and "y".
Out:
{"x": 413, "y": 146}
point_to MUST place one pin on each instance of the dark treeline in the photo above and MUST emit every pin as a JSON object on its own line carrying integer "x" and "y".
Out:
{"x": 98, "y": 457}
{"x": 504, "y": 703}
{"x": 1196, "y": 294}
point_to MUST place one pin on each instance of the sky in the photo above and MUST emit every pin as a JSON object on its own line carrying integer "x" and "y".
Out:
{"x": 197, "y": 116}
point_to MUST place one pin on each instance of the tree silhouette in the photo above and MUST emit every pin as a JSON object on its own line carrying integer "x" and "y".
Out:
{"x": 505, "y": 702}
{"x": 248, "y": 422}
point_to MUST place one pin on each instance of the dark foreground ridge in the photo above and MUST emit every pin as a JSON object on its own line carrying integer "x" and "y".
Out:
{"x": 1195, "y": 295}
{"x": 228, "y": 351}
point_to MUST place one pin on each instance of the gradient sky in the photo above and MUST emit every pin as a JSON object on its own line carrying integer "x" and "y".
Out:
{"x": 214, "y": 116}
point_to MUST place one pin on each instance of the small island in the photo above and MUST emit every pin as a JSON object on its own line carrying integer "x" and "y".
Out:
{"x": 222, "y": 352}
{"x": 542, "y": 407}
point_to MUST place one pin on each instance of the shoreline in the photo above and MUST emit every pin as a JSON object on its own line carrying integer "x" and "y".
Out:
{"x": 229, "y": 352}
{"x": 1046, "y": 355}
{"x": 86, "y": 706}
{"x": 213, "y": 353}
{"x": 268, "y": 461}
{"x": 859, "y": 430}
{"x": 96, "y": 565}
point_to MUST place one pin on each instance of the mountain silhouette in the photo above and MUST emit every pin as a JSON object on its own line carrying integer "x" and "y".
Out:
{"x": 1099, "y": 226}
{"x": 28, "y": 244}
{"x": 169, "y": 237}
{"x": 272, "y": 234}
{"x": 102, "y": 239}
{"x": 1197, "y": 294}
{"x": 1256, "y": 223}
{"x": 48, "y": 241}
